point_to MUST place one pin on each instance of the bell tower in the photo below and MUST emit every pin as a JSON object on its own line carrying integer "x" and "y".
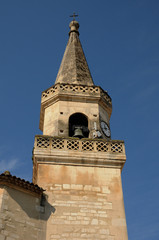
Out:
{"x": 75, "y": 160}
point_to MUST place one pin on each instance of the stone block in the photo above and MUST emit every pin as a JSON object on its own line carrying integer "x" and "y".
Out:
{"x": 104, "y": 231}
{"x": 4, "y": 232}
{"x": 87, "y": 188}
{"x": 119, "y": 222}
{"x": 85, "y": 222}
{"x": 96, "y": 189}
{"x": 94, "y": 222}
{"x": 76, "y": 187}
{"x": 10, "y": 238}
{"x": 105, "y": 190}
{"x": 2, "y": 237}
{"x": 55, "y": 236}
{"x": 66, "y": 186}
{"x": 71, "y": 218}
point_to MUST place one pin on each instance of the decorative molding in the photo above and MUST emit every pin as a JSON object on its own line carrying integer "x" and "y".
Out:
{"x": 74, "y": 151}
{"x": 73, "y": 92}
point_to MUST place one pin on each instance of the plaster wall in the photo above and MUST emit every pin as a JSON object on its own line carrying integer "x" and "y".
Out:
{"x": 21, "y": 216}
{"x": 86, "y": 202}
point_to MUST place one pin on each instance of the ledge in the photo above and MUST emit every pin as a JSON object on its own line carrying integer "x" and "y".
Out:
{"x": 77, "y": 90}
{"x": 74, "y": 151}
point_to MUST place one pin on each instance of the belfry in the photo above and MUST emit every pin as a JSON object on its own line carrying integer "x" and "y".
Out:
{"x": 75, "y": 160}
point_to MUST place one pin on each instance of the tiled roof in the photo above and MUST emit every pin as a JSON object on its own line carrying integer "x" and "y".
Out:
{"x": 14, "y": 182}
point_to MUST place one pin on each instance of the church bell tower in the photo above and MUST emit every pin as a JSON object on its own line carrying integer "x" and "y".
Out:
{"x": 75, "y": 160}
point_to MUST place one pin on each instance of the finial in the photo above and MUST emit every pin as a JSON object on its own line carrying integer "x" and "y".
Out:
{"x": 7, "y": 173}
{"x": 74, "y": 25}
{"x": 74, "y": 15}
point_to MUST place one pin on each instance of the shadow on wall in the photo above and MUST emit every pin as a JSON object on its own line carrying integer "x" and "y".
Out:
{"x": 23, "y": 204}
{"x": 48, "y": 209}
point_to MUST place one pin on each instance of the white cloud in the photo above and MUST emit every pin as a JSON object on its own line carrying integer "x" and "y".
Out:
{"x": 8, "y": 164}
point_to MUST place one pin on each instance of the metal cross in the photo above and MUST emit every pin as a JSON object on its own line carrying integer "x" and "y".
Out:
{"x": 74, "y": 15}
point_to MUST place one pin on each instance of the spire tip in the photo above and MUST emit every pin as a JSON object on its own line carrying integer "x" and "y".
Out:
{"x": 74, "y": 25}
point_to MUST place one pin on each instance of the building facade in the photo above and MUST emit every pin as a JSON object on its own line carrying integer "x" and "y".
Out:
{"x": 74, "y": 161}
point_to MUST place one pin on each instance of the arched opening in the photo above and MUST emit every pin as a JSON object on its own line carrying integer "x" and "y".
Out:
{"x": 78, "y": 121}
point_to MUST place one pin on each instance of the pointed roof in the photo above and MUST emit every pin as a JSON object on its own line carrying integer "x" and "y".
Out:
{"x": 74, "y": 68}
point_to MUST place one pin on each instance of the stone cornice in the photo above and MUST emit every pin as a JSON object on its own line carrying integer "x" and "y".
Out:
{"x": 75, "y": 89}
{"x": 74, "y": 151}
{"x": 72, "y": 92}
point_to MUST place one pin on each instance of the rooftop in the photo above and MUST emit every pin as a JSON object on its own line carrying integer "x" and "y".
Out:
{"x": 20, "y": 184}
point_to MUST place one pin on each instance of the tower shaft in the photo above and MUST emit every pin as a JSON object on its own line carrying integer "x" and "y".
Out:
{"x": 81, "y": 175}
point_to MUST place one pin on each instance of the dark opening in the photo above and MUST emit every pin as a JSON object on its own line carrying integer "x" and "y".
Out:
{"x": 78, "y": 120}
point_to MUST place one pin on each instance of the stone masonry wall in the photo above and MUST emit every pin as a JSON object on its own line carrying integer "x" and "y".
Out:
{"x": 20, "y": 216}
{"x": 86, "y": 202}
{"x": 54, "y": 122}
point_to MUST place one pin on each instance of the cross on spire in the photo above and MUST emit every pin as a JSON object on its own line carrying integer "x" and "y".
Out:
{"x": 74, "y": 15}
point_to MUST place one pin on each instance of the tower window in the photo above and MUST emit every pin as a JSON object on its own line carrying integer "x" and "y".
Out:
{"x": 78, "y": 121}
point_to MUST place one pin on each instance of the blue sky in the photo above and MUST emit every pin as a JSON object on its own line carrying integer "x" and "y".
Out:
{"x": 121, "y": 43}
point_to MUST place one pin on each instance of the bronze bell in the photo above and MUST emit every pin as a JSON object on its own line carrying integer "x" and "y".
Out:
{"x": 78, "y": 132}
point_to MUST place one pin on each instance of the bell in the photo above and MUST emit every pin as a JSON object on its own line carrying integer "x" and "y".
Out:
{"x": 78, "y": 132}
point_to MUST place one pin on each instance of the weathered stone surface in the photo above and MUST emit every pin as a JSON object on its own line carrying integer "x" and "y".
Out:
{"x": 74, "y": 68}
{"x": 89, "y": 204}
{"x": 19, "y": 216}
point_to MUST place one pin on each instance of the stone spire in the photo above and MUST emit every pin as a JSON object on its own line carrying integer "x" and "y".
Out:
{"x": 74, "y": 68}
